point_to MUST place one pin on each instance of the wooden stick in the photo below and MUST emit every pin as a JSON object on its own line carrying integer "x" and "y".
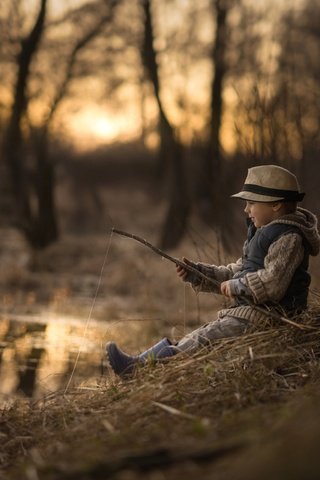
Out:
{"x": 174, "y": 260}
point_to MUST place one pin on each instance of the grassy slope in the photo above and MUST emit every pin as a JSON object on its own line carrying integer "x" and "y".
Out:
{"x": 235, "y": 409}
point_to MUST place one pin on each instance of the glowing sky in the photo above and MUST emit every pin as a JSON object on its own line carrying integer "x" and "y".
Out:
{"x": 93, "y": 121}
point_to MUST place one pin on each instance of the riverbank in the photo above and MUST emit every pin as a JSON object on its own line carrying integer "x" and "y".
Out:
{"x": 247, "y": 408}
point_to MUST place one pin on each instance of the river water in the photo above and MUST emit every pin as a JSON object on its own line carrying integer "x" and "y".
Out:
{"x": 38, "y": 354}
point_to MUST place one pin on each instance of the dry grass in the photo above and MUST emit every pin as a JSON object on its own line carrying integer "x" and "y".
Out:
{"x": 200, "y": 407}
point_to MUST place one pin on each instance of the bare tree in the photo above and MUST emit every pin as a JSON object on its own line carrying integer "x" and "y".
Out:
{"x": 13, "y": 142}
{"x": 171, "y": 152}
{"x": 212, "y": 168}
{"x": 279, "y": 113}
{"x": 25, "y": 146}
{"x": 47, "y": 225}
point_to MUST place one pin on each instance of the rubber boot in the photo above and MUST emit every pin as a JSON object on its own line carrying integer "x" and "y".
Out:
{"x": 124, "y": 365}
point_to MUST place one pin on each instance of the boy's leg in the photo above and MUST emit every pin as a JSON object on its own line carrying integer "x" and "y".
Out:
{"x": 124, "y": 364}
{"x": 203, "y": 336}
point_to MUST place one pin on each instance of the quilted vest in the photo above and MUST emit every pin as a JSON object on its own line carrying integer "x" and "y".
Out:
{"x": 255, "y": 251}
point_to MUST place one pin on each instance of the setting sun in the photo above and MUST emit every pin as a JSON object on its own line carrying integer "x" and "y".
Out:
{"x": 104, "y": 128}
{"x": 96, "y": 125}
{"x": 92, "y": 122}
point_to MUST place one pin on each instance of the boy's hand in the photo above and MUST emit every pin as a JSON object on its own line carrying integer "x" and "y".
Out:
{"x": 182, "y": 272}
{"x": 225, "y": 289}
{"x": 235, "y": 287}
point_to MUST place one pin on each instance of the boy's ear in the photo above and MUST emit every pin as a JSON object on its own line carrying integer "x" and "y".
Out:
{"x": 276, "y": 206}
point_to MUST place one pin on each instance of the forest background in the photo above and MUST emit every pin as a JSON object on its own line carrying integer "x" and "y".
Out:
{"x": 183, "y": 96}
{"x": 142, "y": 115}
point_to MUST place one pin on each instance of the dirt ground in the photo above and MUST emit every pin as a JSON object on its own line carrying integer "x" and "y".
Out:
{"x": 241, "y": 410}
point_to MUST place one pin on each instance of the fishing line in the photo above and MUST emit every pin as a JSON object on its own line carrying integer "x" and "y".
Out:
{"x": 192, "y": 232}
{"x": 91, "y": 310}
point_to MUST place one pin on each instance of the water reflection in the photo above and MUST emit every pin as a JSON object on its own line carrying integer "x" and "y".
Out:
{"x": 37, "y": 356}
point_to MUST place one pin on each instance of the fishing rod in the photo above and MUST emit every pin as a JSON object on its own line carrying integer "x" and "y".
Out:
{"x": 163, "y": 254}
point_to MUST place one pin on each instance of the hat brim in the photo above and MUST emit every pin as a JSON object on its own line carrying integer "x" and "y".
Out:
{"x": 255, "y": 197}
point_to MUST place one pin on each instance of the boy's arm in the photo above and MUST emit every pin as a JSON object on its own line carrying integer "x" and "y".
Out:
{"x": 283, "y": 258}
{"x": 218, "y": 273}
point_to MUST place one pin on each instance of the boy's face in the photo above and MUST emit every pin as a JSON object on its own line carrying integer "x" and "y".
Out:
{"x": 262, "y": 213}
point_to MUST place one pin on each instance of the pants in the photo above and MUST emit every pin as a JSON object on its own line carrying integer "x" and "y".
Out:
{"x": 203, "y": 336}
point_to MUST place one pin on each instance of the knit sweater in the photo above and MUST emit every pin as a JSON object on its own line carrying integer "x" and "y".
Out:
{"x": 267, "y": 285}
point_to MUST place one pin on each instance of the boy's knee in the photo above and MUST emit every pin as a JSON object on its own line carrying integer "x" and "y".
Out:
{"x": 232, "y": 326}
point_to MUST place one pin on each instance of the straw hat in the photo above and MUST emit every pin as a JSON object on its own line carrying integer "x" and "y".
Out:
{"x": 269, "y": 183}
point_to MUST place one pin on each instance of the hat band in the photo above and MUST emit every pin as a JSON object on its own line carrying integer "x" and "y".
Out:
{"x": 290, "y": 195}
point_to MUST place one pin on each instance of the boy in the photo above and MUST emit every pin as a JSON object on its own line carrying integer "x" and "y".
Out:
{"x": 272, "y": 272}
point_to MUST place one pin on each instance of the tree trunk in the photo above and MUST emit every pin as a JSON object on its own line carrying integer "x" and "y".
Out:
{"x": 171, "y": 155}
{"x": 45, "y": 228}
{"x": 211, "y": 173}
{"x": 14, "y": 141}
